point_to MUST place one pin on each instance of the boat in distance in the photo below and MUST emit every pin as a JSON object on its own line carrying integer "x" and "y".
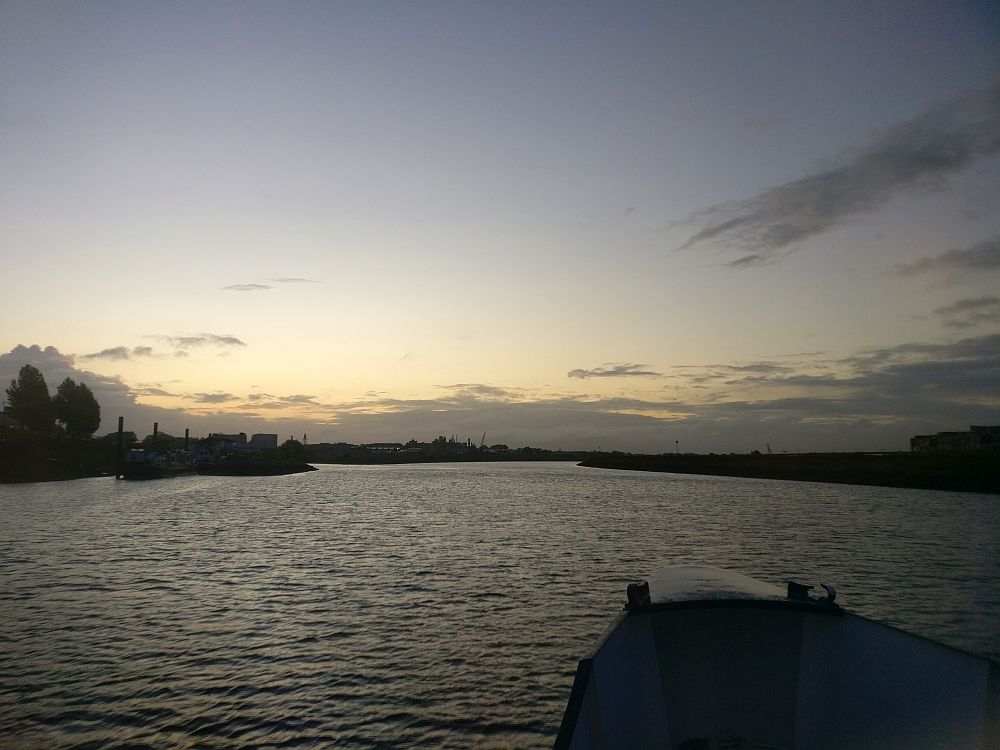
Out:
{"x": 703, "y": 658}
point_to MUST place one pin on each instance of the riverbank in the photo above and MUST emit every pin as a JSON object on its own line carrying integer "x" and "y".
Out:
{"x": 961, "y": 472}
{"x": 24, "y": 458}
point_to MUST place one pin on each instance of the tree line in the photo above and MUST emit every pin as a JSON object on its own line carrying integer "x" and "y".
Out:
{"x": 73, "y": 407}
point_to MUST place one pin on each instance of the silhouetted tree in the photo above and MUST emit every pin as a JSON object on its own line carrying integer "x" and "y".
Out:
{"x": 77, "y": 409}
{"x": 28, "y": 400}
{"x": 291, "y": 448}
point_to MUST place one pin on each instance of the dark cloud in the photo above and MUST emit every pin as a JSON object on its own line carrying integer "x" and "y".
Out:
{"x": 921, "y": 153}
{"x": 213, "y": 398}
{"x": 984, "y": 256}
{"x": 890, "y": 382}
{"x": 749, "y": 260}
{"x": 49, "y": 357}
{"x": 614, "y": 370}
{"x": 111, "y": 393}
{"x": 246, "y": 287}
{"x": 963, "y": 350}
{"x": 967, "y": 313}
{"x": 758, "y": 367}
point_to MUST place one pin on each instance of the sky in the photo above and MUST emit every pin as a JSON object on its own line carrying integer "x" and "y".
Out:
{"x": 644, "y": 226}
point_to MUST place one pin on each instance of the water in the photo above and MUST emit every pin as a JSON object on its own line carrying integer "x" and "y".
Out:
{"x": 415, "y": 606}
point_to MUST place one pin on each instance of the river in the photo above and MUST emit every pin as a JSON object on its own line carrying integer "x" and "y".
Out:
{"x": 433, "y": 605}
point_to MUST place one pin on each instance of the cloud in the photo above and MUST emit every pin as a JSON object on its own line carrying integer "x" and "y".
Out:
{"x": 873, "y": 399}
{"x": 984, "y": 256}
{"x": 748, "y": 261}
{"x": 117, "y": 398}
{"x": 613, "y": 370}
{"x": 152, "y": 391}
{"x": 201, "y": 339}
{"x": 267, "y": 401}
{"x": 293, "y": 280}
{"x": 895, "y": 380}
{"x": 111, "y": 393}
{"x": 120, "y": 353}
{"x": 298, "y": 398}
{"x": 921, "y": 153}
{"x": 246, "y": 287}
{"x": 213, "y": 398}
{"x": 758, "y": 367}
{"x": 482, "y": 391}
{"x": 49, "y": 357}
{"x": 764, "y": 123}
{"x": 966, "y": 313}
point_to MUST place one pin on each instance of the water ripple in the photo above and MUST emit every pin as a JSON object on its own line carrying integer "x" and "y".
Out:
{"x": 414, "y": 606}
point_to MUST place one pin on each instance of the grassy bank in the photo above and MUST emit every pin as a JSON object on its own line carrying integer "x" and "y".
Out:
{"x": 963, "y": 472}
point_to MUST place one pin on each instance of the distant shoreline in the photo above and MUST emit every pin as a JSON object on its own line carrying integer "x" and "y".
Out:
{"x": 958, "y": 472}
{"x": 54, "y": 471}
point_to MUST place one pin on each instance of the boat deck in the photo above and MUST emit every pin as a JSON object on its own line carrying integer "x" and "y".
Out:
{"x": 741, "y": 665}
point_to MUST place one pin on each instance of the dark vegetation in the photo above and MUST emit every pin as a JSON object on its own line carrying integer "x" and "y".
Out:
{"x": 43, "y": 437}
{"x": 970, "y": 471}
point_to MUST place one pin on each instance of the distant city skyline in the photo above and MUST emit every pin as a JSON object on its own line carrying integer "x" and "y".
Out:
{"x": 718, "y": 225}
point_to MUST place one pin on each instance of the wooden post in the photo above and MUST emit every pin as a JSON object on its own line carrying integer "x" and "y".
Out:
{"x": 187, "y": 432}
{"x": 121, "y": 448}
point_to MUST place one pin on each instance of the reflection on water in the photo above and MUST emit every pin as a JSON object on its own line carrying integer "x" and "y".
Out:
{"x": 435, "y": 605}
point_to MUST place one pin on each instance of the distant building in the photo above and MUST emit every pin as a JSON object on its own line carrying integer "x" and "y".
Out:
{"x": 383, "y": 447}
{"x": 977, "y": 438}
{"x": 454, "y": 446}
{"x": 239, "y": 438}
{"x": 224, "y": 444}
{"x": 264, "y": 441}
